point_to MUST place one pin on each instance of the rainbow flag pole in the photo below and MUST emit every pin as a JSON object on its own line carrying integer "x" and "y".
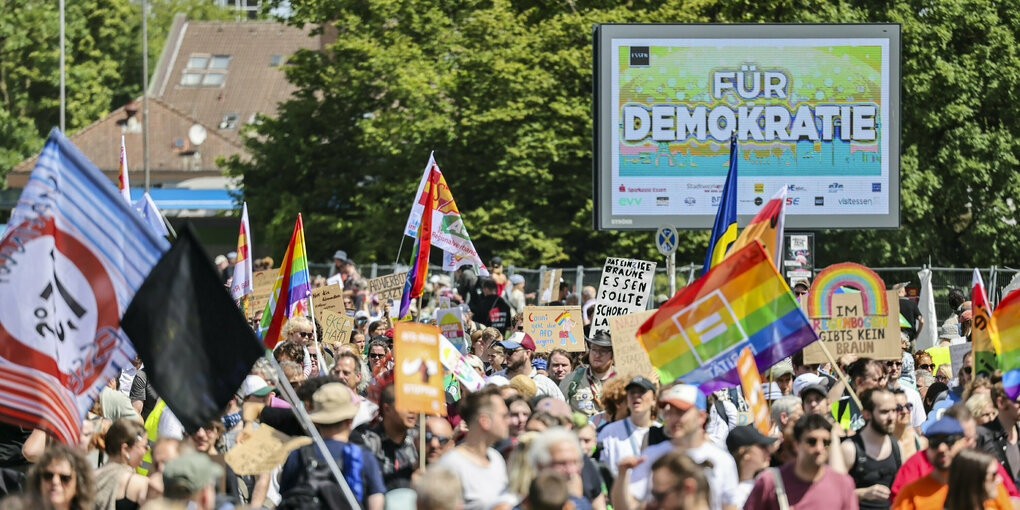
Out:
{"x": 414, "y": 286}
{"x": 291, "y": 288}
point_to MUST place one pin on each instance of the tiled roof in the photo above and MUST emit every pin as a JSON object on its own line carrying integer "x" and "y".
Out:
{"x": 252, "y": 56}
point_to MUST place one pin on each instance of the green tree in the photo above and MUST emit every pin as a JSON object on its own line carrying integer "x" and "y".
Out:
{"x": 502, "y": 92}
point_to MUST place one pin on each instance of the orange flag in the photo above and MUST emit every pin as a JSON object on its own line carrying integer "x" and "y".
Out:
{"x": 750, "y": 381}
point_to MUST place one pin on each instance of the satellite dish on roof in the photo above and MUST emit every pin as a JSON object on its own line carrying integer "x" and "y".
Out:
{"x": 196, "y": 134}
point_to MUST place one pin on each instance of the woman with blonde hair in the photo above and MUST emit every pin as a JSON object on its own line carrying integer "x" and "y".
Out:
{"x": 981, "y": 406}
{"x": 301, "y": 331}
{"x": 60, "y": 479}
{"x": 118, "y": 486}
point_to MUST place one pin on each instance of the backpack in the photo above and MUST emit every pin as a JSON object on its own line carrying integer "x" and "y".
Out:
{"x": 316, "y": 487}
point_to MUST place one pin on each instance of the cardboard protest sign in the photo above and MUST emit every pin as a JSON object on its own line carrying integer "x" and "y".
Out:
{"x": 262, "y": 282}
{"x": 625, "y": 287}
{"x": 549, "y": 288}
{"x": 455, "y": 362}
{"x": 851, "y": 331}
{"x": 418, "y": 378}
{"x": 328, "y": 297}
{"x": 629, "y": 355}
{"x": 262, "y": 450}
{"x": 336, "y": 327}
{"x": 386, "y": 287}
{"x": 750, "y": 381}
{"x": 555, "y": 327}
{"x": 451, "y": 325}
{"x": 956, "y": 354}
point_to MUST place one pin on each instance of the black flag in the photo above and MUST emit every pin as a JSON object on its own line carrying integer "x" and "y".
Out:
{"x": 196, "y": 345}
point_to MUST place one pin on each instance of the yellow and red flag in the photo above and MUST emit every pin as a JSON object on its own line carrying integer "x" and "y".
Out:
{"x": 766, "y": 227}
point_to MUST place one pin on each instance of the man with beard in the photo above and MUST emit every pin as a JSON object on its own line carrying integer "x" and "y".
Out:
{"x": 519, "y": 350}
{"x": 583, "y": 387}
{"x": 873, "y": 456}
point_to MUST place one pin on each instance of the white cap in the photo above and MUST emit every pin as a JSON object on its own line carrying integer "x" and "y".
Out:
{"x": 253, "y": 385}
{"x": 497, "y": 380}
{"x": 804, "y": 380}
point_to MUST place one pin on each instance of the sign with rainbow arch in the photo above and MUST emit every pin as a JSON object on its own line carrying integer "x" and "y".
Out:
{"x": 847, "y": 274}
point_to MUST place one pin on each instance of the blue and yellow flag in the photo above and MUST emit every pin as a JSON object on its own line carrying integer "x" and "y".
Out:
{"x": 724, "y": 232}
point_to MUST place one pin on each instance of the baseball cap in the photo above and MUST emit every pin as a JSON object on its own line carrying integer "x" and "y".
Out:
{"x": 254, "y": 385}
{"x": 361, "y": 314}
{"x": 947, "y": 426}
{"x": 801, "y": 281}
{"x": 684, "y": 396}
{"x": 497, "y": 380}
{"x": 332, "y": 403}
{"x": 641, "y": 382}
{"x": 601, "y": 339}
{"x": 804, "y": 380}
{"x": 190, "y": 473}
{"x": 517, "y": 340}
{"x": 516, "y": 279}
{"x": 747, "y": 435}
{"x": 539, "y": 364}
{"x": 783, "y": 367}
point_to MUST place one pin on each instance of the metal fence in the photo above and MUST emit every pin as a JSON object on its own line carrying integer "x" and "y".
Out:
{"x": 943, "y": 278}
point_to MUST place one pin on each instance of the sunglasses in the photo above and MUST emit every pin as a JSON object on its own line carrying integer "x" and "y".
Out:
{"x": 442, "y": 439}
{"x": 813, "y": 441}
{"x": 894, "y": 363}
{"x": 904, "y": 407}
{"x": 48, "y": 475}
{"x": 304, "y": 334}
{"x": 376, "y": 355}
{"x": 936, "y": 441}
{"x": 928, "y": 367}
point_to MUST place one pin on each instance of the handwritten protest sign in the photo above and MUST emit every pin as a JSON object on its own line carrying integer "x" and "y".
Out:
{"x": 418, "y": 378}
{"x": 625, "y": 287}
{"x": 549, "y": 287}
{"x": 262, "y": 283}
{"x": 328, "y": 297}
{"x": 455, "y": 362}
{"x": 555, "y": 327}
{"x": 336, "y": 327}
{"x": 262, "y": 450}
{"x": 849, "y": 331}
{"x": 386, "y": 287}
{"x": 629, "y": 355}
{"x": 451, "y": 325}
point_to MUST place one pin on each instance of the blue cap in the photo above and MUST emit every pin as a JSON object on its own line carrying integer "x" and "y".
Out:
{"x": 539, "y": 364}
{"x": 947, "y": 426}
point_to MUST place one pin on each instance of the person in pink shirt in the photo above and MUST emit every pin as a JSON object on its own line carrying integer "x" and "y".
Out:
{"x": 920, "y": 464}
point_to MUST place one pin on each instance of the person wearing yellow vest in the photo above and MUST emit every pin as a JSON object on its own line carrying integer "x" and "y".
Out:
{"x": 151, "y": 427}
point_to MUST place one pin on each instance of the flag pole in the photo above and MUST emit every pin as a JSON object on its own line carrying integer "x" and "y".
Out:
{"x": 400, "y": 249}
{"x": 311, "y": 311}
{"x": 299, "y": 410}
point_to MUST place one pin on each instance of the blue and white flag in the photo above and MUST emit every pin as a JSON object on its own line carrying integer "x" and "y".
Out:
{"x": 70, "y": 262}
{"x": 151, "y": 215}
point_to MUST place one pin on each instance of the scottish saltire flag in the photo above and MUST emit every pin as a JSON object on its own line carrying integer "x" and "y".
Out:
{"x": 122, "y": 179}
{"x": 416, "y": 276}
{"x": 767, "y": 228}
{"x": 697, "y": 336}
{"x": 724, "y": 231}
{"x": 984, "y": 332}
{"x": 448, "y": 231}
{"x": 151, "y": 215}
{"x": 71, "y": 260}
{"x": 241, "y": 285}
{"x": 293, "y": 286}
{"x": 1007, "y": 321}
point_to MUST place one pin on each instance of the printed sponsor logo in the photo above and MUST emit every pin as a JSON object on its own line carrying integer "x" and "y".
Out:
{"x": 855, "y": 201}
{"x": 627, "y": 202}
{"x": 794, "y": 187}
{"x": 716, "y": 200}
{"x": 792, "y": 200}
{"x": 819, "y": 200}
{"x": 835, "y": 187}
{"x": 624, "y": 189}
{"x": 758, "y": 201}
{"x": 759, "y": 187}
{"x": 639, "y": 56}
{"x": 876, "y": 187}
{"x": 690, "y": 200}
{"x": 661, "y": 201}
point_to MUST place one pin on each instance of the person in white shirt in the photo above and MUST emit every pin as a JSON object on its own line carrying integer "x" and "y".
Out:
{"x": 685, "y": 413}
{"x": 519, "y": 351}
{"x": 623, "y": 438}
{"x": 481, "y": 469}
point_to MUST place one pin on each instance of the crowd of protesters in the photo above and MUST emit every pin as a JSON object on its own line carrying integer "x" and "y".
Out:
{"x": 556, "y": 430}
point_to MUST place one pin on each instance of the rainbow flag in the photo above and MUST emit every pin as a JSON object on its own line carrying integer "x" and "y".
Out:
{"x": 1007, "y": 321}
{"x": 292, "y": 288}
{"x": 767, "y": 227}
{"x": 984, "y": 333}
{"x": 241, "y": 285}
{"x": 698, "y": 334}
{"x": 416, "y": 276}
